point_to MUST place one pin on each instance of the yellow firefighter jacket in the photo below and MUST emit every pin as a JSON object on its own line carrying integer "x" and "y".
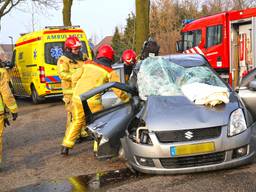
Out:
{"x": 6, "y": 97}
{"x": 93, "y": 75}
{"x": 66, "y": 68}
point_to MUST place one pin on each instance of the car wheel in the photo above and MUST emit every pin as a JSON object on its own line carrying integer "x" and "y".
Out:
{"x": 34, "y": 95}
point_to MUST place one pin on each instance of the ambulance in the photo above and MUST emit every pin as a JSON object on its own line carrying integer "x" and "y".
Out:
{"x": 34, "y": 73}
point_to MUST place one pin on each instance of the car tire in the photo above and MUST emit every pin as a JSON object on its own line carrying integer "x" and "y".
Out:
{"x": 34, "y": 95}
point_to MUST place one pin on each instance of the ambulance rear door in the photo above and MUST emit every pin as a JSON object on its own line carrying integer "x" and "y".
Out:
{"x": 16, "y": 75}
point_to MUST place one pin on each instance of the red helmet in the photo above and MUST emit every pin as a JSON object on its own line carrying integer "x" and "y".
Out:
{"x": 129, "y": 57}
{"x": 72, "y": 42}
{"x": 106, "y": 51}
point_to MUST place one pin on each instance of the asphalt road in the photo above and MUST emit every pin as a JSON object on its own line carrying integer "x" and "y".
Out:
{"x": 32, "y": 148}
{"x": 32, "y": 161}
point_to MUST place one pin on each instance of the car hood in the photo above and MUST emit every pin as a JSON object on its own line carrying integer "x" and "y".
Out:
{"x": 164, "y": 113}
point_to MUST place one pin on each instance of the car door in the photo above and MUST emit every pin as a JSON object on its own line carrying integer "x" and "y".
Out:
{"x": 109, "y": 125}
{"x": 247, "y": 92}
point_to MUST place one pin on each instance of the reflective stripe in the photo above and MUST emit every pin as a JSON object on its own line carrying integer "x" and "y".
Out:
{"x": 1, "y": 105}
{"x": 50, "y": 79}
{"x": 13, "y": 108}
{"x": 192, "y": 50}
{"x": 199, "y": 50}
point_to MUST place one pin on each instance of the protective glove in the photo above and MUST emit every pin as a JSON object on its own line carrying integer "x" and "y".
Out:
{"x": 6, "y": 122}
{"x": 14, "y": 116}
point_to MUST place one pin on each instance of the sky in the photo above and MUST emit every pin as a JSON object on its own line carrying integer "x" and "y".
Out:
{"x": 98, "y": 18}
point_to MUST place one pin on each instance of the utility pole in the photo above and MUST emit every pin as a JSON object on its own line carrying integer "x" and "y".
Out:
{"x": 32, "y": 16}
{"x": 11, "y": 41}
{"x": 142, "y": 23}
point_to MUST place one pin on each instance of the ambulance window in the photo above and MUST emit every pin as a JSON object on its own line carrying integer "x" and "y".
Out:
{"x": 54, "y": 50}
{"x": 213, "y": 35}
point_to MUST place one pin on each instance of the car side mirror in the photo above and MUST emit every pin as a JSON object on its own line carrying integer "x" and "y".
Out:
{"x": 252, "y": 85}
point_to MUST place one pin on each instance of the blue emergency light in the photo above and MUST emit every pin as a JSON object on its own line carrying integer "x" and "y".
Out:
{"x": 187, "y": 21}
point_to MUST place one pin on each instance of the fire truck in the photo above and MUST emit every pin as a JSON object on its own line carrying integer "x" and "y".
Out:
{"x": 227, "y": 40}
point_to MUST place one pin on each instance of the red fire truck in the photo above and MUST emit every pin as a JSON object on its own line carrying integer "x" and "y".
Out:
{"x": 227, "y": 40}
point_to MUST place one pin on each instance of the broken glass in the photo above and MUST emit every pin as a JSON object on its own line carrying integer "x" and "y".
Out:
{"x": 160, "y": 77}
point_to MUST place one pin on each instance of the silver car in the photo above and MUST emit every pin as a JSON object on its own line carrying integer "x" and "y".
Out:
{"x": 161, "y": 131}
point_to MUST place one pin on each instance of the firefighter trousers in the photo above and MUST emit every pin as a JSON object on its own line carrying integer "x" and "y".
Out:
{"x": 78, "y": 121}
{"x": 68, "y": 104}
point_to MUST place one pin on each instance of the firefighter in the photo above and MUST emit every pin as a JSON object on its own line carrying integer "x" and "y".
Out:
{"x": 68, "y": 63}
{"x": 7, "y": 102}
{"x": 150, "y": 48}
{"x": 129, "y": 58}
{"x": 93, "y": 74}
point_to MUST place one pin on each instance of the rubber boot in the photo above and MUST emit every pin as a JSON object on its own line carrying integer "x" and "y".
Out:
{"x": 64, "y": 151}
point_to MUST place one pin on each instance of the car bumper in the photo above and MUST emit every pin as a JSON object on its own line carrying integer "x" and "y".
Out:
{"x": 155, "y": 153}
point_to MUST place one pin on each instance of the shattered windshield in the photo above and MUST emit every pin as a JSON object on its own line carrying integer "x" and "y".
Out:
{"x": 160, "y": 77}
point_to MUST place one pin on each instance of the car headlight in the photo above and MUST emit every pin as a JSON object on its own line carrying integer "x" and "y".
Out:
{"x": 237, "y": 123}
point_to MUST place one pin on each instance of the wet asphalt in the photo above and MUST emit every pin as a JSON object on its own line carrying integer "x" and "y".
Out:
{"x": 123, "y": 180}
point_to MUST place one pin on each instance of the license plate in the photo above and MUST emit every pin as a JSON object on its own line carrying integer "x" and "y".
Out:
{"x": 56, "y": 86}
{"x": 192, "y": 149}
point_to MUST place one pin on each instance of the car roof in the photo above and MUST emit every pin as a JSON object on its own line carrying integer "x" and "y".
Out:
{"x": 187, "y": 60}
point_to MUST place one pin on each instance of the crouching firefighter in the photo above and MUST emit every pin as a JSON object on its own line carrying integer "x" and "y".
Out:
{"x": 68, "y": 63}
{"x": 93, "y": 74}
{"x": 7, "y": 102}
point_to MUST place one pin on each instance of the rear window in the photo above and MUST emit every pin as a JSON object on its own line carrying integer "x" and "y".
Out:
{"x": 53, "y": 50}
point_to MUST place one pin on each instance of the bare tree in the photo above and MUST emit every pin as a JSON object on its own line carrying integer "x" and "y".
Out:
{"x": 7, "y": 5}
{"x": 216, "y": 6}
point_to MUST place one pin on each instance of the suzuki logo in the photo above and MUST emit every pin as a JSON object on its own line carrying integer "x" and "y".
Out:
{"x": 189, "y": 135}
